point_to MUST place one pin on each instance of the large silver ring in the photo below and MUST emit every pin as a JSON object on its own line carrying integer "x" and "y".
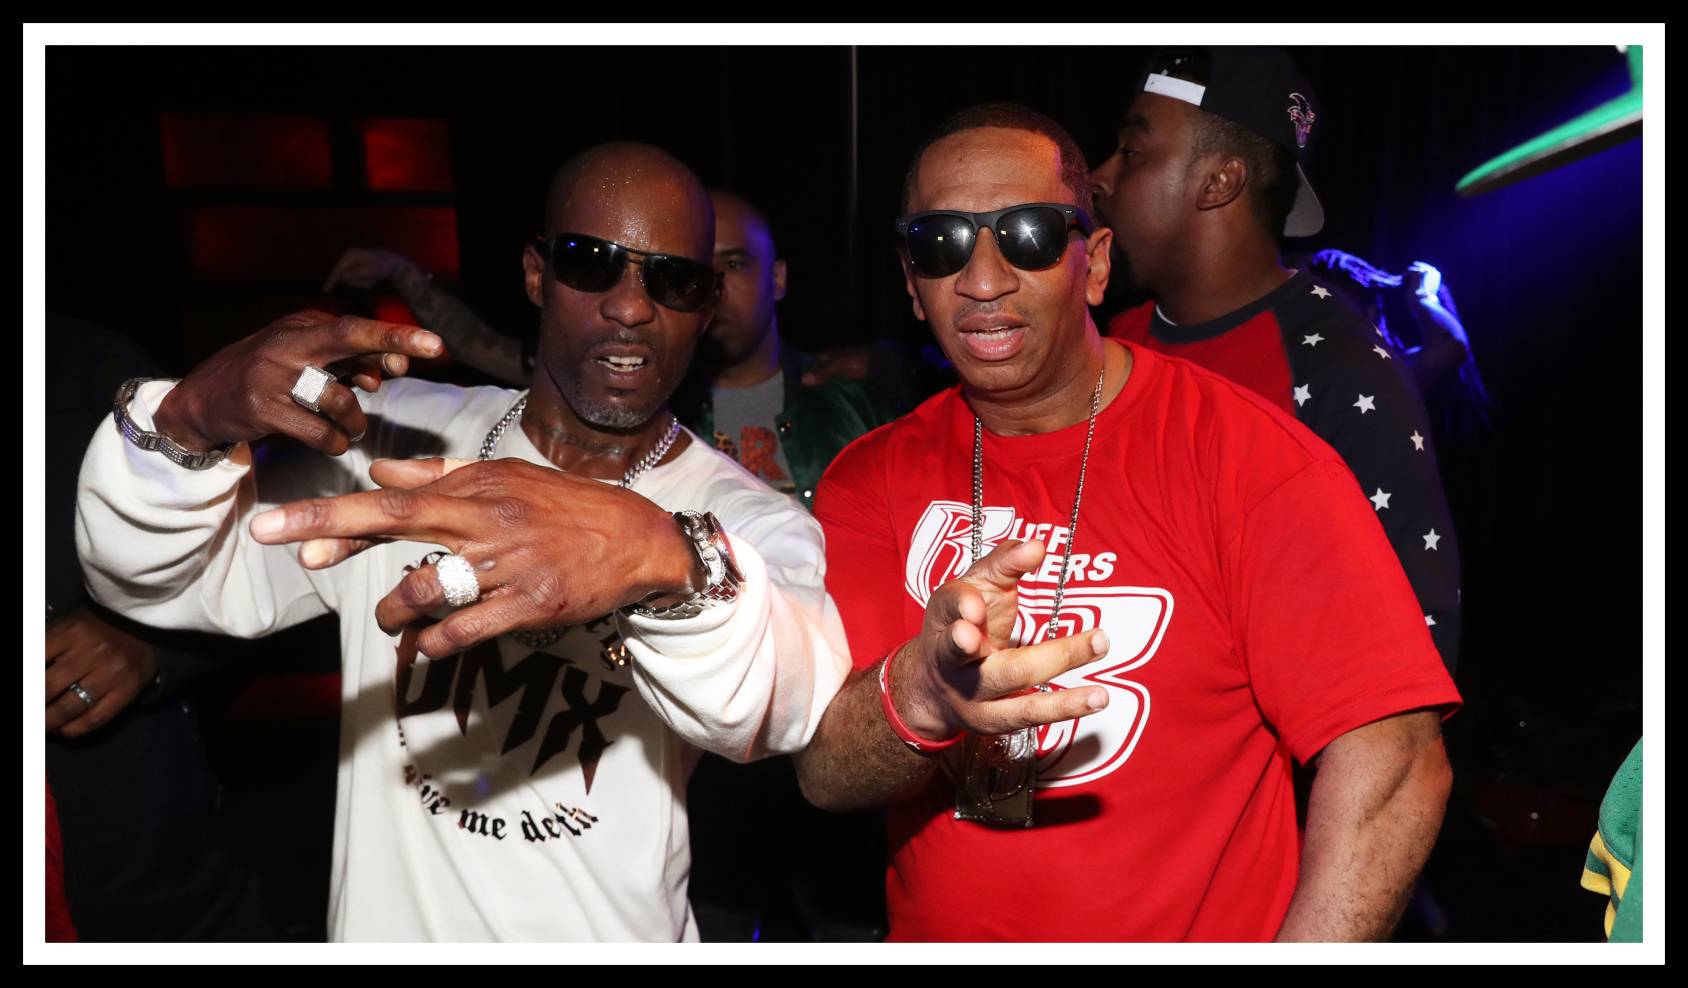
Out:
{"x": 457, "y": 578}
{"x": 308, "y": 389}
{"x": 86, "y": 697}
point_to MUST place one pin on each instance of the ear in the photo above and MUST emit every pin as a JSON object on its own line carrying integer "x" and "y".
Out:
{"x": 779, "y": 280}
{"x": 1222, "y": 184}
{"x": 533, "y": 275}
{"x": 1098, "y": 248}
{"x": 908, "y": 282}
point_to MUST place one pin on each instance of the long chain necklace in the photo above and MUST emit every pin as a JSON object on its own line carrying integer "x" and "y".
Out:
{"x": 997, "y": 773}
{"x": 1078, "y": 496}
{"x": 540, "y": 639}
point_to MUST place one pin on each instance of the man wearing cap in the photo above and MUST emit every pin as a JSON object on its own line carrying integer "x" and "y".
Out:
{"x": 1208, "y": 173}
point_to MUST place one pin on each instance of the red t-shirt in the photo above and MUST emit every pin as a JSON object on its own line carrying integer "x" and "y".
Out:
{"x": 1256, "y": 613}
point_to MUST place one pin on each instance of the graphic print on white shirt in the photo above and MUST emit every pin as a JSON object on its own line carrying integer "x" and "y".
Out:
{"x": 502, "y": 719}
{"x": 1078, "y": 751}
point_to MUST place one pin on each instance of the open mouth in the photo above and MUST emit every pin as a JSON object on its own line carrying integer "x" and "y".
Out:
{"x": 994, "y": 342}
{"x": 622, "y": 365}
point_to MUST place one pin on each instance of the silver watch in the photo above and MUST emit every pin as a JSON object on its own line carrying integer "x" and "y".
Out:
{"x": 157, "y": 442}
{"x": 720, "y": 569}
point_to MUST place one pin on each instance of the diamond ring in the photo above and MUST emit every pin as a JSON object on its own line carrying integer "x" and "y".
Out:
{"x": 308, "y": 389}
{"x": 457, "y": 578}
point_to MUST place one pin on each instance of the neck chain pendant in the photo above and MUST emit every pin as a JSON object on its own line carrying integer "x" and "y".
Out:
{"x": 998, "y": 774}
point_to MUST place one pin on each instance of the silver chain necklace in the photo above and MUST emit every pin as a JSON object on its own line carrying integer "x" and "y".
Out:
{"x": 998, "y": 771}
{"x": 540, "y": 639}
{"x": 647, "y": 461}
{"x": 1078, "y": 495}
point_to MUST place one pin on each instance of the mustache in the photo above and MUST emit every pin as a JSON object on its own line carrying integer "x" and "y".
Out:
{"x": 623, "y": 336}
{"x": 992, "y": 308}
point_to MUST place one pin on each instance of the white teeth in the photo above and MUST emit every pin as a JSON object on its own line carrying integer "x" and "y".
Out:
{"x": 624, "y": 363}
{"x": 994, "y": 334}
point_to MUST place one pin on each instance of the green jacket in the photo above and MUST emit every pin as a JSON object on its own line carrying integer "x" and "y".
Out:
{"x": 1613, "y": 864}
{"x": 814, "y": 426}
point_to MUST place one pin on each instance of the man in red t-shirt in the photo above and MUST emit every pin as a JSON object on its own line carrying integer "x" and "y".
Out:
{"x": 1229, "y": 604}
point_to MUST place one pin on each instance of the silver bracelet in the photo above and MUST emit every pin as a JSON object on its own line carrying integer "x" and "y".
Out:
{"x": 157, "y": 442}
{"x": 720, "y": 569}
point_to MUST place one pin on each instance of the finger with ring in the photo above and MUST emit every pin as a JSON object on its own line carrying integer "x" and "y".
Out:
{"x": 458, "y": 579}
{"x": 310, "y": 385}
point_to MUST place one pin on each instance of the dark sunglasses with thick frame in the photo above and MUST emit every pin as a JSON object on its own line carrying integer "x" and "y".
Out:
{"x": 1031, "y": 236}
{"x": 592, "y": 264}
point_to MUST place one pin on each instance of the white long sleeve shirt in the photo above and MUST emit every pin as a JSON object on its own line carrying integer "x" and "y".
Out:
{"x": 501, "y": 793}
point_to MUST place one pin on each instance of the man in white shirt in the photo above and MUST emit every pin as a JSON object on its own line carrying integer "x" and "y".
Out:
{"x": 495, "y": 787}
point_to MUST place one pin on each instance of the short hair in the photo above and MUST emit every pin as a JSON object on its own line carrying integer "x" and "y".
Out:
{"x": 1075, "y": 173}
{"x": 1272, "y": 179}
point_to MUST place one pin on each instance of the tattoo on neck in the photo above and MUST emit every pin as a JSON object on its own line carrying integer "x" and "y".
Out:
{"x": 558, "y": 434}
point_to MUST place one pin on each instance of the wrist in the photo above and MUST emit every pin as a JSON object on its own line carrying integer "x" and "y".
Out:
{"x": 672, "y": 564}
{"x": 922, "y": 734}
{"x": 174, "y": 420}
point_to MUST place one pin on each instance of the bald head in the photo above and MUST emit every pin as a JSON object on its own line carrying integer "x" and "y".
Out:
{"x": 637, "y": 190}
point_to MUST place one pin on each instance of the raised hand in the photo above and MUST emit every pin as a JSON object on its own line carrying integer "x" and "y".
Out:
{"x": 244, "y": 391}
{"x": 964, "y": 673}
{"x": 548, "y": 548}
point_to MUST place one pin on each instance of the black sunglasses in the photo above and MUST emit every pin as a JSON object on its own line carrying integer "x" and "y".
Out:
{"x": 590, "y": 264}
{"x": 1031, "y": 236}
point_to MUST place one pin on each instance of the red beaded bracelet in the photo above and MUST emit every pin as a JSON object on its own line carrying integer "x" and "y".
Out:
{"x": 907, "y": 736}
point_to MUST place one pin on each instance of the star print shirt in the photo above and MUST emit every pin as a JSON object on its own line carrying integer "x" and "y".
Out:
{"x": 502, "y": 793}
{"x": 1301, "y": 348}
{"x": 1255, "y": 614}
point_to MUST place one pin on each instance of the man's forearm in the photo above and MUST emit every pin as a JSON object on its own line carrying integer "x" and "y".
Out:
{"x": 1373, "y": 815}
{"x": 855, "y": 760}
{"x": 467, "y": 338}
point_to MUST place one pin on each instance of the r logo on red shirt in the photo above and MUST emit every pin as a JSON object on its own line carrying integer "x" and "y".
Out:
{"x": 1073, "y": 752}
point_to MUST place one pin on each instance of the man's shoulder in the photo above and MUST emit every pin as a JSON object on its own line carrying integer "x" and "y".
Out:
{"x": 1342, "y": 332}
{"x": 1331, "y": 346}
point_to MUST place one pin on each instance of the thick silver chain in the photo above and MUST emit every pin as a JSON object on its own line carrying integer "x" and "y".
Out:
{"x": 651, "y": 459}
{"x": 540, "y": 639}
{"x": 1078, "y": 496}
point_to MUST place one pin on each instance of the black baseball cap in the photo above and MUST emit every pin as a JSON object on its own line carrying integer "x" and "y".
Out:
{"x": 1259, "y": 88}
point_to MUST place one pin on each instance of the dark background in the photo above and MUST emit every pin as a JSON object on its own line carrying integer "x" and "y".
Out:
{"x": 193, "y": 195}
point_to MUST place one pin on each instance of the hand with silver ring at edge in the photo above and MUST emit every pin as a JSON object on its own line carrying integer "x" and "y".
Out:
{"x": 94, "y": 670}
{"x": 281, "y": 381}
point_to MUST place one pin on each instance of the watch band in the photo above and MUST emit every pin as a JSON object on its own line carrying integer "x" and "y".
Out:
{"x": 157, "y": 442}
{"x": 721, "y": 570}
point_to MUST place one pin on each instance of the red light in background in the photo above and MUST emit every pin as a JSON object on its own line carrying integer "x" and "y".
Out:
{"x": 241, "y": 151}
{"x": 390, "y": 309}
{"x": 407, "y": 154}
{"x": 302, "y": 243}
